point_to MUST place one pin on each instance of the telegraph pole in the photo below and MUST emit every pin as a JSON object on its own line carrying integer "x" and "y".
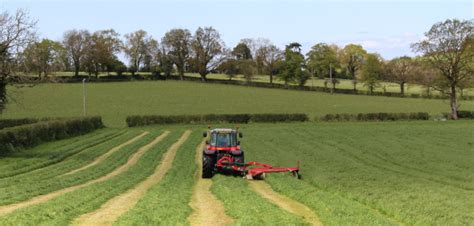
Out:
{"x": 84, "y": 97}
{"x": 330, "y": 78}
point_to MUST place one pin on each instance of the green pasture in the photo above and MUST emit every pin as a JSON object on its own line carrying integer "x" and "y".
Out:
{"x": 115, "y": 101}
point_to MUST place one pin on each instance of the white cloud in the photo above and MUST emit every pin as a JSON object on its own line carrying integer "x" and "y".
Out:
{"x": 389, "y": 46}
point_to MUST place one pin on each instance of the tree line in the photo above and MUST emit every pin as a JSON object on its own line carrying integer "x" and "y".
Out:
{"x": 446, "y": 63}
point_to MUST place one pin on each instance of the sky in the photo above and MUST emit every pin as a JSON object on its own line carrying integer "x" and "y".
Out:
{"x": 387, "y": 27}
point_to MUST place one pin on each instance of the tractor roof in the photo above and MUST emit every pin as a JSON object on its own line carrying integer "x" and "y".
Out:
{"x": 222, "y": 130}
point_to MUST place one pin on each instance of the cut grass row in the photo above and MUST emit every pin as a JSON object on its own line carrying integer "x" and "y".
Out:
{"x": 52, "y": 152}
{"x": 166, "y": 203}
{"x": 247, "y": 207}
{"x": 83, "y": 153}
{"x": 45, "y": 180}
{"x": 360, "y": 165}
{"x": 63, "y": 209}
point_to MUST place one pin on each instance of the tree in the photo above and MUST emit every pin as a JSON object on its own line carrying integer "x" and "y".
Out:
{"x": 151, "y": 59}
{"x": 103, "y": 47}
{"x": 292, "y": 69}
{"x": 43, "y": 57}
{"x": 137, "y": 47}
{"x": 271, "y": 58}
{"x": 255, "y": 45}
{"x": 242, "y": 52}
{"x": 16, "y": 32}
{"x": 427, "y": 76}
{"x": 247, "y": 68}
{"x": 448, "y": 46}
{"x": 401, "y": 70}
{"x": 76, "y": 43}
{"x": 118, "y": 66}
{"x": 178, "y": 42}
{"x": 165, "y": 62}
{"x": 207, "y": 47}
{"x": 320, "y": 59}
{"x": 371, "y": 72}
{"x": 230, "y": 67}
{"x": 352, "y": 57}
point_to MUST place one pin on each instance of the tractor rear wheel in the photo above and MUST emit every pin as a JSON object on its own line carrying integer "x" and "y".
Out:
{"x": 208, "y": 162}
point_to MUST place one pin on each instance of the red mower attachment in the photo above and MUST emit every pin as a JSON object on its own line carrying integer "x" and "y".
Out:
{"x": 254, "y": 170}
{"x": 224, "y": 155}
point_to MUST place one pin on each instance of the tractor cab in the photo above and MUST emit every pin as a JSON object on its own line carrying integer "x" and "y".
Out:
{"x": 224, "y": 139}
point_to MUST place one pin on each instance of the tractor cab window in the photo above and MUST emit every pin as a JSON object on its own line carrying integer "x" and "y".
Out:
{"x": 223, "y": 140}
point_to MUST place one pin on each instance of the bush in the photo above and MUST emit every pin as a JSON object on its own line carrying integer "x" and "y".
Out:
{"x": 4, "y": 123}
{"x": 133, "y": 121}
{"x": 30, "y": 135}
{"x": 466, "y": 114}
{"x": 376, "y": 116}
{"x": 279, "y": 118}
{"x": 461, "y": 115}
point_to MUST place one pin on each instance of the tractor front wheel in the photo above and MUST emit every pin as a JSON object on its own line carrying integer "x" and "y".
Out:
{"x": 208, "y": 162}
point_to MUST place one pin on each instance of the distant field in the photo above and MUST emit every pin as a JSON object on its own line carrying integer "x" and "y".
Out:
{"x": 115, "y": 101}
{"x": 316, "y": 82}
{"x": 343, "y": 84}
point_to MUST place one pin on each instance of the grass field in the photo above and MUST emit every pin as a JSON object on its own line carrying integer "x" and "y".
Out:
{"x": 391, "y": 173}
{"x": 115, "y": 101}
{"x": 312, "y": 82}
{"x": 354, "y": 173}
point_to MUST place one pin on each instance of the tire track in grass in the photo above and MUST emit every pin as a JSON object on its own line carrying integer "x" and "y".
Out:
{"x": 203, "y": 200}
{"x": 114, "y": 208}
{"x": 43, "y": 198}
{"x": 285, "y": 203}
{"x": 107, "y": 154}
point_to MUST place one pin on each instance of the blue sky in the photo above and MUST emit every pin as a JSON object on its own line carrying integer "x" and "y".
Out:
{"x": 387, "y": 27}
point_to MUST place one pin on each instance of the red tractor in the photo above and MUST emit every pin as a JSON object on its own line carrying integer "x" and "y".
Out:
{"x": 224, "y": 155}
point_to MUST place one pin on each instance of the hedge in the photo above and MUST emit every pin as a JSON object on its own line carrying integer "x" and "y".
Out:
{"x": 376, "y": 116}
{"x": 136, "y": 120}
{"x": 279, "y": 118}
{"x": 4, "y": 123}
{"x": 461, "y": 115}
{"x": 30, "y": 135}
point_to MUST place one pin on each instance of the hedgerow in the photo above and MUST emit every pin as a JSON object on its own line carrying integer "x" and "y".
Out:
{"x": 33, "y": 134}
{"x": 4, "y": 123}
{"x": 375, "y": 116}
{"x": 136, "y": 120}
{"x": 279, "y": 118}
{"x": 466, "y": 114}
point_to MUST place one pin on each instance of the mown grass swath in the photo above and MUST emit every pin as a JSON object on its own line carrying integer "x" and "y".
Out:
{"x": 246, "y": 206}
{"x": 409, "y": 172}
{"x": 45, "y": 180}
{"x": 166, "y": 203}
{"x": 69, "y": 206}
{"x": 81, "y": 153}
{"x": 52, "y": 152}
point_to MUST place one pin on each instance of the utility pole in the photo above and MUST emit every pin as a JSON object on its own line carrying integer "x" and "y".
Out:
{"x": 330, "y": 78}
{"x": 84, "y": 97}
